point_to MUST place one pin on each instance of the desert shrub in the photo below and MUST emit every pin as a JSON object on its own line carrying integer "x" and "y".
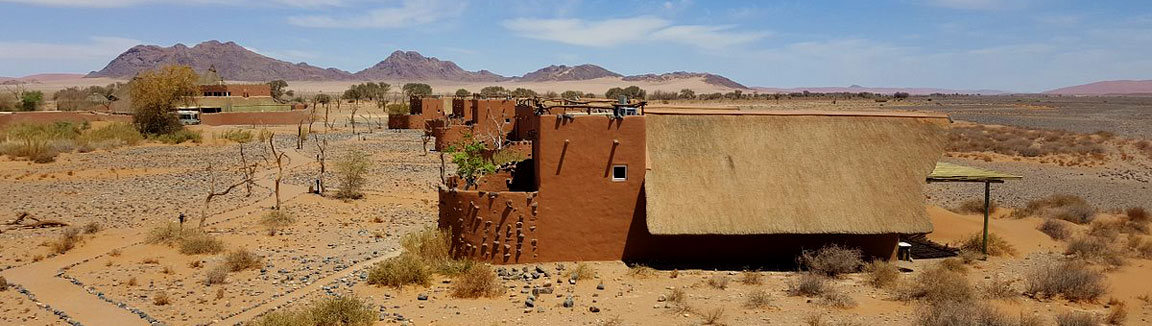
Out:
{"x": 275, "y": 220}
{"x": 350, "y": 171}
{"x": 91, "y": 228}
{"x": 68, "y": 239}
{"x": 40, "y": 142}
{"x": 954, "y": 264}
{"x": 201, "y": 244}
{"x": 881, "y": 273}
{"x": 998, "y": 288}
{"x": 216, "y": 275}
{"x": 758, "y": 299}
{"x": 336, "y": 311}
{"x": 168, "y": 233}
{"x": 111, "y": 136}
{"x": 1076, "y": 318}
{"x": 237, "y": 135}
{"x": 1065, "y": 207}
{"x": 3, "y": 284}
{"x": 241, "y": 259}
{"x": 479, "y": 281}
{"x": 179, "y": 137}
{"x": 718, "y": 281}
{"x": 974, "y": 206}
{"x": 938, "y": 284}
{"x": 581, "y": 272}
{"x": 809, "y": 285}
{"x": 751, "y": 278}
{"x": 641, "y": 271}
{"x": 1137, "y": 214}
{"x": 432, "y": 247}
{"x": 961, "y": 313}
{"x": 832, "y": 260}
{"x": 1057, "y": 229}
{"x": 1139, "y": 247}
{"x": 1095, "y": 249}
{"x": 161, "y": 299}
{"x": 997, "y": 246}
{"x": 836, "y": 299}
{"x": 1117, "y": 313}
{"x": 1074, "y": 281}
{"x": 400, "y": 271}
{"x": 713, "y": 317}
{"x": 397, "y": 108}
{"x": 676, "y": 296}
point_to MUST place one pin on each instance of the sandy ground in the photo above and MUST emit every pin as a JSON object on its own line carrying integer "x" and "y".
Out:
{"x": 131, "y": 190}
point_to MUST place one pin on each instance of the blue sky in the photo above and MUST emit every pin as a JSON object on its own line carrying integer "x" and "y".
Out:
{"x": 1017, "y": 45}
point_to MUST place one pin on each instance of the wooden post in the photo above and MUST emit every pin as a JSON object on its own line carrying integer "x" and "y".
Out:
{"x": 987, "y": 211}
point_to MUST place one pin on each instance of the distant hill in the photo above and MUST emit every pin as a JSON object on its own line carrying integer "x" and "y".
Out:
{"x": 566, "y": 73}
{"x": 708, "y": 78}
{"x": 411, "y": 65}
{"x": 879, "y": 90}
{"x": 234, "y": 62}
{"x": 1111, "y": 87}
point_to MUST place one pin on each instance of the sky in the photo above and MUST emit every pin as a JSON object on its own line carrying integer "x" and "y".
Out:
{"x": 1013, "y": 45}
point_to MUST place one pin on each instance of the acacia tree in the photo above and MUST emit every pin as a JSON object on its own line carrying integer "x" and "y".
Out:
{"x": 463, "y": 93}
{"x": 493, "y": 91}
{"x": 416, "y": 89}
{"x": 277, "y": 87}
{"x": 155, "y": 93}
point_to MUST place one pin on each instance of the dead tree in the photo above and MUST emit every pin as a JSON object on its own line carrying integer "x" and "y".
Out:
{"x": 354, "y": 108}
{"x": 279, "y": 157}
{"x": 321, "y": 145}
{"x": 247, "y": 171}
{"x": 300, "y": 135}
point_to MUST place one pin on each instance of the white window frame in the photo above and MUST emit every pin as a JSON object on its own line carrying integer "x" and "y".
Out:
{"x": 614, "y": 178}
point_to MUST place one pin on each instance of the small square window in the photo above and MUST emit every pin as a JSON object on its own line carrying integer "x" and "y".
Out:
{"x": 619, "y": 172}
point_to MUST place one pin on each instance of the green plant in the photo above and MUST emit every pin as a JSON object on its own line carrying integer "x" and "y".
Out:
{"x": 351, "y": 170}
{"x": 469, "y": 159}
{"x": 155, "y": 93}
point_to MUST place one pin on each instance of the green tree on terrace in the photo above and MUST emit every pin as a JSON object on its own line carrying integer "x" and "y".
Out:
{"x": 156, "y": 94}
{"x": 463, "y": 93}
{"x": 632, "y": 92}
{"x": 468, "y": 156}
{"x": 277, "y": 87}
{"x": 416, "y": 89}
{"x": 571, "y": 94}
{"x": 523, "y": 92}
{"x": 493, "y": 91}
{"x": 31, "y": 100}
{"x": 687, "y": 94}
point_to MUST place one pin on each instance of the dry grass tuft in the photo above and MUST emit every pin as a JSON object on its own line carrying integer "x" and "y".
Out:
{"x": 3, "y": 284}
{"x": 432, "y": 248}
{"x": 937, "y": 284}
{"x": 999, "y": 288}
{"x": 718, "y": 281}
{"x": 115, "y": 252}
{"x": 882, "y": 274}
{"x": 961, "y": 313}
{"x": 1117, "y": 313}
{"x": 1076, "y": 318}
{"x": 479, "y": 281}
{"x": 974, "y": 206}
{"x": 1096, "y": 249}
{"x": 809, "y": 285}
{"x": 1073, "y": 281}
{"x": 342, "y": 311}
{"x": 68, "y": 240}
{"x": 954, "y": 264}
{"x": 997, "y": 246}
{"x": 581, "y": 272}
{"x": 169, "y": 233}
{"x": 1137, "y": 214}
{"x": 216, "y": 275}
{"x": 677, "y": 296}
{"x": 91, "y": 228}
{"x": 161, "y": 299}
{"x": 832, "y": 260}
{"x": 400, "y": 271}
{"x": 751, "y": 278}
{"x": 836, "y": 299}
{"x": 133, "y": 282}
{"x": 275, "y": 220}
{"x": 713, "y": 317}
{"x": 1064, "y": 207}
{"x": 758, "y": 299}
{"x": 201, "y": 244}
{"x": 641, "y": 271}
{"x": 241, "y": 259}
{"x": 1057, "y": 229}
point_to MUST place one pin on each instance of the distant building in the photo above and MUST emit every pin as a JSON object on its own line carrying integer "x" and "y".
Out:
{"x": 696, "y": 186}
{"x": 216, "y": 96}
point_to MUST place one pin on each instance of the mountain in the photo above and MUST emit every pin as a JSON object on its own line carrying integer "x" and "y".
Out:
{"x": 566, "y": 73}
{"x": 708, "y": 78}
{"x": 1111, "y": 87}
{"x": 411, "y": 65}
{"x": 879, "y": 90}
{"x": 234, "y": 62}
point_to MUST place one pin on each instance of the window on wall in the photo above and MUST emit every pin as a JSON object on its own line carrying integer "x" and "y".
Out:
{"x": 619, "y": 172}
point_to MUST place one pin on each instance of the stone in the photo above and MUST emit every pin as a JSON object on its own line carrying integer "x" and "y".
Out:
{"x": 422, "y": 297}
{"x": 569, "y": 302}
{"x": 600, "y": 286}
{"x": 593, "y": 309}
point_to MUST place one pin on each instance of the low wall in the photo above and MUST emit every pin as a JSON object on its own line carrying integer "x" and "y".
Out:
{"x": 7, "y": 119}
{"x": 405, "y": 121}
{"x": 254, "y": 118}
{"x": 495, "y": 227}
{"x": 448, "y": 136}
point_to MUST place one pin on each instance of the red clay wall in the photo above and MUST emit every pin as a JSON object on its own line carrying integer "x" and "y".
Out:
{"x": 405, "y": 121}
{"x": 254, "y": 118}
{"x": 492, "y": 115}
{"x": 450, "y": 135}
{"x": 7, "y": 119}
{"x": 463, "y": 108}
{"x": 497, "y": 227}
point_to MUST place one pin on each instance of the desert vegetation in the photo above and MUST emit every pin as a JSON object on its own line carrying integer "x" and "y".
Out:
{"x": 1023, "y": 142}
{"x": 351, "y": 172}
{"x": 43, "y": 142}
{"x": 343, "y": 311}
{"x": 427, "y": 253}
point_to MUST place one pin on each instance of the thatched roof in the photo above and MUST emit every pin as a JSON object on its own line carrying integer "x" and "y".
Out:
{"x": 793, "y": 172}
{"x": 948, "y": 172}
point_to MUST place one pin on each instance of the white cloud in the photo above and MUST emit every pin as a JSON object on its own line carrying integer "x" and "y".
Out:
{"x": 129, "y": 3}
{"x": 980, "y": 4}
{"x": 612, "y": 32}
{"x": 96, "y": 47}
{"x": 409, "y": 13}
